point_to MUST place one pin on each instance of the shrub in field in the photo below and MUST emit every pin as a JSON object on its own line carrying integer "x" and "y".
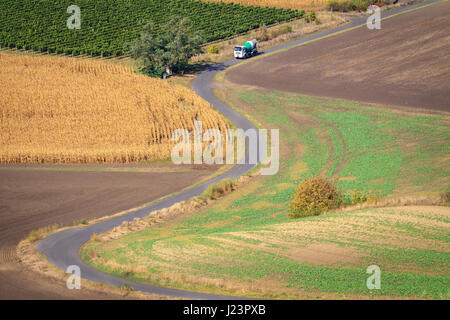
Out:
{"x": 280, "y": 31}
{"x": 286, "y": 29}
{"x": 358, "y": 197}
{"x": 37, "y": 235}
{"x": 218, "y": 190}
{"x": 311, "y": 17}
{"x": 95, "y": 238}
{"x": 314, "y": 196}
{"x": 126, "y": 287}
{"x": 373, "y": 198}
{"x": 287, "y": 4}
{"x": 445, "y": 196}
{"x": 213, "y": 49}
{"x": 333, "y": 5}
{"x": 358, "y": 5}
{"x": 262, "y": 34}
{"x": 347, "y": 6}
{"x": 354, "y": 197}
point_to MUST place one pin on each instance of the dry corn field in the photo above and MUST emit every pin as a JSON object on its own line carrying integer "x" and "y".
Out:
{"x": 63, "y": 110}
{"x": 286, "y": 4}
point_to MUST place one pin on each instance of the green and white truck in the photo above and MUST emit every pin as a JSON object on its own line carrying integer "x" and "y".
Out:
{"x": 249, "y": 49}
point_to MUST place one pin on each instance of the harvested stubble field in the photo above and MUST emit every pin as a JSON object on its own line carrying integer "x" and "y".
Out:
{"x": 64, "y": 110}
{"x": 327, "y": 259}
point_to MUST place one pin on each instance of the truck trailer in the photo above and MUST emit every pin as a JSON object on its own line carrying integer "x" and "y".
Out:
{"x": 249, "y": 49}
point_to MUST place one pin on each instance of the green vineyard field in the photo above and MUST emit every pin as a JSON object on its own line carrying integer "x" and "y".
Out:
{"x": 106, "y": 25}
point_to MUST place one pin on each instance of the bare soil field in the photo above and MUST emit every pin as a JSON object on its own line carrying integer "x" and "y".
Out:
{"x": 31, "y": 198}
{"x": 405, "y": 63}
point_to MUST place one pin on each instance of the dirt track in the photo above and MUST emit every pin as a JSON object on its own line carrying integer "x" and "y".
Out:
{"x": 31, "y": 199}
{"x": 406, "y": 63}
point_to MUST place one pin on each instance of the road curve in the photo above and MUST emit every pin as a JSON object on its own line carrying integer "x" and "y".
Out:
{"x": 61, "y": 248}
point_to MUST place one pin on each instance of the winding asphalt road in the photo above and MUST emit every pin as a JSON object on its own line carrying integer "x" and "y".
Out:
{"x": 62, "y": 248}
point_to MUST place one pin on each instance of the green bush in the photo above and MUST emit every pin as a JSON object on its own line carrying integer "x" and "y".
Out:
{"x": 358, "y": 197}
{"x": 126, "y": 287}
{"x": 445, "y": 196}
{"x": 156, "y": 71}
{"x": 286, "y": 29}
{"x": 354, "y": 197}
{"x": 314, "y": 196}
{"x": 359, "y": 5}
{"x": 310, "y": 17}
{"x": 333, "y": 5}
{"x": 218, "y": 190}
{"x": 213, "y": 49}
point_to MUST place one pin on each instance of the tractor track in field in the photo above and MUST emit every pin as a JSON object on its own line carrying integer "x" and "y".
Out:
{"x": 322, "y": 123}
{"x": 342, "y": 161}
{"x": 61, "y": 248}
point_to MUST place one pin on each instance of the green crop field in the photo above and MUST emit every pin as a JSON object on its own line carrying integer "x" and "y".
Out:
{"x": 244, "y": 244}
{"x": 106, "y": 25}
